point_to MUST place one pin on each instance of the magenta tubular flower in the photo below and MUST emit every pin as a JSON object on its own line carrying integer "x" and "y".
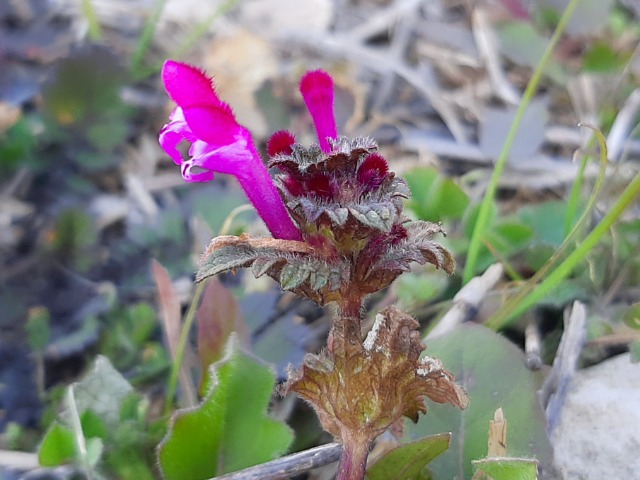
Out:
{"x": 218, "y": 144}
{"x": 317, "y": 91}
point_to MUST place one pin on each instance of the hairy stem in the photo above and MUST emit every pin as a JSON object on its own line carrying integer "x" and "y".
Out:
{"x": 353, "y": 461}
{"x": 346, "y": 328}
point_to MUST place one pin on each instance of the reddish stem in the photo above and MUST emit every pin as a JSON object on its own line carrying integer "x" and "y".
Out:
{"x": 353, "y": 462}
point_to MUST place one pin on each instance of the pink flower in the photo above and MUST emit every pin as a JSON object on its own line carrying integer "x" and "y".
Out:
{"x": 317, "y": 91}
{"x": 219, "y": 144}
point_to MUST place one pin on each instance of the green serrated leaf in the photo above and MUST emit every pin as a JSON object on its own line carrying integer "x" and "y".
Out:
{"x": 293, "y": 274}
{"x": 262, "y": 264}
{"x": 338, "y": 216}
{"x": 58, "y": 446}
{"x": 407, "y": 461}
{"x": 318, "y": 278}
{"x": 230, "y": 429}
{"x": 492, "y": 371}
{"x": 507, "y": 468}
{"x": 224, "y": 259}
{"x": 376, "y": 216}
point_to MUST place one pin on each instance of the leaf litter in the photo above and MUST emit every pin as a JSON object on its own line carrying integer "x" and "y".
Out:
{"x": 96, "y": 200}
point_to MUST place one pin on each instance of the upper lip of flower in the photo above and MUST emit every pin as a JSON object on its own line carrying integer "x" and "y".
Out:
{"x": 218, "y": 144}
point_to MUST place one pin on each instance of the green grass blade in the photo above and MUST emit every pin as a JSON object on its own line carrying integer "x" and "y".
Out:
{"x": 519, "y": 303}
{"x": 566, "y": 267}
{"x": 483, "y": 215}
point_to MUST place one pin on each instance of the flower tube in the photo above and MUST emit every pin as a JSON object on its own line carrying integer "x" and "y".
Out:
{"x": 219, "y": 144}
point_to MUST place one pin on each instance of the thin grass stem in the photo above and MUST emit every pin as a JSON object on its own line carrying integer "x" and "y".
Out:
{"x": 566, "y": 267}
{"x": 485, "y": 207}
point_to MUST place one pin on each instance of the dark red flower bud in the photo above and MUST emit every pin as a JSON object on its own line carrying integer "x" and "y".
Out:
{"x": 293, "y": 186}
{"x": 321, "y": 186}
{"x": 280, "y": 143}
{"x": 372, "y": 171}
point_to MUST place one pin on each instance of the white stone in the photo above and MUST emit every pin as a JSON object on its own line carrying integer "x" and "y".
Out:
{"x": 598, "y": 435}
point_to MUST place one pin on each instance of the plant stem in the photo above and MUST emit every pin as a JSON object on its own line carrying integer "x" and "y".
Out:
{"x": 485, "y": 207}
{"x": 346, "y": 328}
{"x": 182, "y": 345}
{"x": 353, "y": 462}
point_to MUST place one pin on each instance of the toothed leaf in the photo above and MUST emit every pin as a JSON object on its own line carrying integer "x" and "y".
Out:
{"x": 230, "y": 429}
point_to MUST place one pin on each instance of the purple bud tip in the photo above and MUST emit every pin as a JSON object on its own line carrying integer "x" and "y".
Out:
{"x": 280, "y": 143}
{"x": 317, "y": 90}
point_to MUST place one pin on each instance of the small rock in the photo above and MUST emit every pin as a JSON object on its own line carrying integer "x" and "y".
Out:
{"x": 599, "y": 431}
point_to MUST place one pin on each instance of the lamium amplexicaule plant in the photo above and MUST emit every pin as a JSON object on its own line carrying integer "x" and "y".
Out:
{"x": 335, "y": 213}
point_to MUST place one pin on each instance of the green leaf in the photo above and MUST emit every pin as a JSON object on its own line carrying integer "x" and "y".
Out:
{"x": 631, "y": 316}
{"x": 226, "y": 258}
{"x": 507, "y": 468}
{"x": 506, "y": 237}
{"x": 547, "y": 221}
{"x": 493, "y": 372}
{"x": 509, "y": 237}
{"x": 17, "y": 147}
{"x": 435, "y": 197}
{"x": 407, "y": 461}
{"x": 601, "y": 58}
{"x": 92, "y": 425}
{"x": 102, "y": 391}
{"x": 415, "y": 289}
{"x": 58, "y": 446}
{"x": 230, "y": 429}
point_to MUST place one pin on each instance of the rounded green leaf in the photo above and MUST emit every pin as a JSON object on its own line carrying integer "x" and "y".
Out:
{"x": 230, "y": 429}
{"x": 407, "y": 461}
{"x": 492, "y": 371}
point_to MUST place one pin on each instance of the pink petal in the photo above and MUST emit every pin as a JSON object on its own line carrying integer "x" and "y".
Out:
{"x": 233, "y": 159}
{"x": 317, "y": 90}
{"x": 216, "y": 126}
{"x": 190, "y": 176}
{"x": 169, "y": 141}
{"x": 188, "y": 85}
